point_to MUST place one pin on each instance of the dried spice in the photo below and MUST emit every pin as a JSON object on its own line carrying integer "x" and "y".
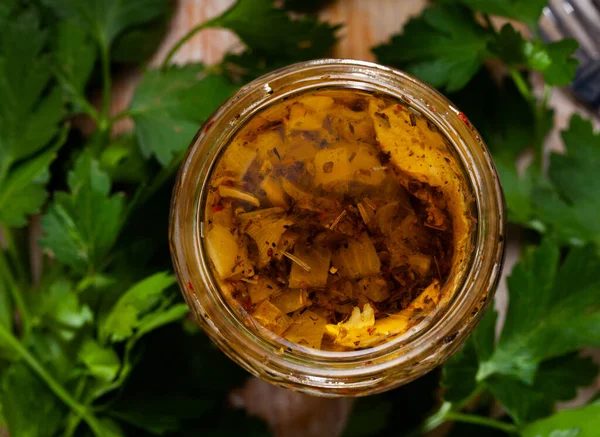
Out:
{"x": 321, "y": 235}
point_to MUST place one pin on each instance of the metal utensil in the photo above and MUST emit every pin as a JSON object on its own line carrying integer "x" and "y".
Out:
{"x": 578, "y": 19}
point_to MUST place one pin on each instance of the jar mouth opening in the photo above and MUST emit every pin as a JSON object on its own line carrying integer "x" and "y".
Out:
{"x": 480, "y": 272}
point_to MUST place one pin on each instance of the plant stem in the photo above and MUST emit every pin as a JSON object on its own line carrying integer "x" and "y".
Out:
{"x": 104, "y": 122}
{"x": 16, "y": 293}
{"x": 74, "y": 418}
{"x": 186, "y": 38}
{"x": 14, "y": 254}
{"x": 480, "y": 420}
{"x": 121, "y": 115}
{"x": 540, "y": 131}
{"x": 77, "y": 96}
{"x": 521, "y": 85}
{"x": 54, "y": 385}
{"x": 539, "y": 109}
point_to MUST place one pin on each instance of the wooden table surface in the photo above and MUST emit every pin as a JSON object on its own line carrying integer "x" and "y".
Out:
{"x": 366, "y": 24}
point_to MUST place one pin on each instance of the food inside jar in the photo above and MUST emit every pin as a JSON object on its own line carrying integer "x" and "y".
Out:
{"x": 335, "y": 219}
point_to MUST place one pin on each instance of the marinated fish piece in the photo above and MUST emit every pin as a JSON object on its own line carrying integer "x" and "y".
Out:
{"x": 262, "y": 288}
{"x": 266, "y": 142}
{"x": 272, "y": 317}
{"x": 274, "y": 191}
{"x": 374, "y": 288}
{"x": 357, "y": 258}
{"x": 314, "y": 271}
{"x": 307, "y": 330}
{"x": 291, "y": 300}
{"x": 345, "y": 164}
{"x": 309, "y": 112}
{"x": 238, "y": 158}
{"x": 265, "y": 227}
{"x": 226, "y": 252}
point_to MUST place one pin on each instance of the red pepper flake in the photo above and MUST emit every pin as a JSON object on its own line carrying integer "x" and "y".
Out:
{"x": 464, "y": 118}
{"x": 431, "y": 108}
{"x": 190, "y": 286}
{"x": 217, "y": 208}
{"x": 269, "y": 252}
{"x": 399, "y": 108}
{"x": 247, "y": 304}
{"x": 208, "y": 125}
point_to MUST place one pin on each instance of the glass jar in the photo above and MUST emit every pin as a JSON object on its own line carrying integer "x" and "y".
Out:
{"x": 319, "y": 372}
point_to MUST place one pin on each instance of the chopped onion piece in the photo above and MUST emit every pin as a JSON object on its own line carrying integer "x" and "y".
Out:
{"x": 357, "y": 258}
{"x": 236, "y": 193}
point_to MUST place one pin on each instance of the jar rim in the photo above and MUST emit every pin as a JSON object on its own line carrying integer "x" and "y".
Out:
{"x": 447, "y": 328}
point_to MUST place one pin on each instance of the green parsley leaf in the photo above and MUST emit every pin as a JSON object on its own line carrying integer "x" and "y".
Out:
{"x": 129, "y": 314}
{"x": 273, "y": 39}
{"x": 105, "y": 20}
{"x": 522, "y": 402}
{"x": 459, "y": 374}
{"x": 75, "y": 57}
{"x": 23, "y": 393}
{"x": 556, "y": 380}
{"x": 270, "y": 30}
{"x": 123, "y": 161}
{"x": 544, "y": 300}
{"x": 570, "y": 207}
{"x": 169, "y": 106}
{"x": 137, "y": 44}
{"x": 519, "y": 191}
{"x": 444, "y": 46}
{"x": 101, "y": 362}
{"x": 553, "y": 60}
{"x": 30, "y": 114}
{"x": 155, "y": 320}
{"x": 559, "y": 378}
{"x": 53, "y": 353}
{"x": 460, "y": 370}
{"x": 579, "y": 422}
{"x": 6, "y": 310}
{"x": 23, "y": 192}
{"x": 80, "y": 227}
{"x": 526, "y": 11}
{"x": 60, "y": 307}
{"x": 6, "y": 9}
